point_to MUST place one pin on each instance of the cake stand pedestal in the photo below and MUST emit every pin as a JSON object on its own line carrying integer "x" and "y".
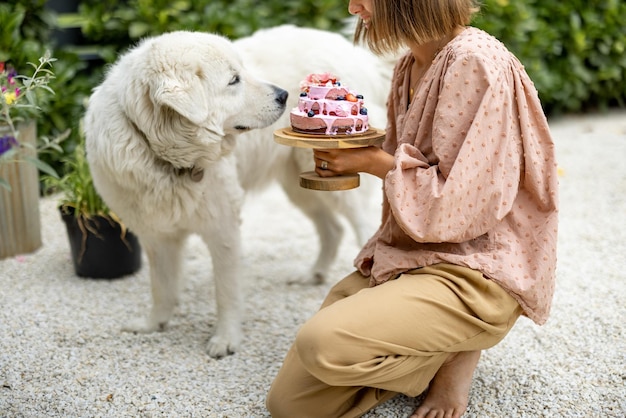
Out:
{"x": 310, "y": 179}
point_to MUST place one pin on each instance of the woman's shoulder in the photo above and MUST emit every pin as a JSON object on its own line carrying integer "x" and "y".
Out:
{"x": 476, "y": 41}
{"x": 478, "y": 44}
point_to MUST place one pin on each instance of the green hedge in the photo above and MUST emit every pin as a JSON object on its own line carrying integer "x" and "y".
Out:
{"x": 26, "y": 29}
{"x": 574, "y": 51}
{"x": 126, "y": 21}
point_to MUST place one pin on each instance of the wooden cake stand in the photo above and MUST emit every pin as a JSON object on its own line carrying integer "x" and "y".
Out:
{"x": 310, "y": 179}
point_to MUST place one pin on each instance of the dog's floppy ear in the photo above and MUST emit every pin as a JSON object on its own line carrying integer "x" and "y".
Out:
{"x": 186, "y": 96}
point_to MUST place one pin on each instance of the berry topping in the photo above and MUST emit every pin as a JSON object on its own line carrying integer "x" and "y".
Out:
{"x": 363, "y": 111}
{"x": 359, "y": 96}
{"x": 303, "y": 94}
{"x": 311, "y": 113}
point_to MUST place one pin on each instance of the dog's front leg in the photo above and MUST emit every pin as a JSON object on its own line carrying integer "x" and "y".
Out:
{"x": 327, "y": 224}
{"x": 225, "y": 247}
{"x": 164, "y": 259}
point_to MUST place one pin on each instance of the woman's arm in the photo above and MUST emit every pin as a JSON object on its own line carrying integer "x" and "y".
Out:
{"x": 475, "y": 165}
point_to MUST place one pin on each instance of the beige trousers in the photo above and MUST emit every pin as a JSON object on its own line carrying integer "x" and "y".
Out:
{"x": 366, "y": 345}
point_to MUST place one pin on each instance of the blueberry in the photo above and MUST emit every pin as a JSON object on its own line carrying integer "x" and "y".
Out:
{"x": 359, "y": 96}
{"x": 311, "y": 113}
{"x": 303, "y": 94}
{"x": 341, "y": 97}
{"x": 363, "y": 111}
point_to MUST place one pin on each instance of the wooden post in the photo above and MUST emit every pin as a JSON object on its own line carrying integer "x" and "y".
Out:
{"x": 20, "y": 224}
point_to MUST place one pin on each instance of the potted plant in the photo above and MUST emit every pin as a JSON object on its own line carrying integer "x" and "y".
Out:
{"x": 21, "y": 97}
{"x": 101, "y": 245}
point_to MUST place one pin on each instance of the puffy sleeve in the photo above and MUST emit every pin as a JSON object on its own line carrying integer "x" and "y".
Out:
{"x": 467, "y": 179}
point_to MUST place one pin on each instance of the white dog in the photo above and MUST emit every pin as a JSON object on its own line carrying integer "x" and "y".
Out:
{"x": 160, "y": 134}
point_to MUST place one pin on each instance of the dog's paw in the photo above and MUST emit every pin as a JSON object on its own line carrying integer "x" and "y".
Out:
{"x": 313, "y": 279}
{"x": 143, "y": 326}
{"x": 219, "y": 346}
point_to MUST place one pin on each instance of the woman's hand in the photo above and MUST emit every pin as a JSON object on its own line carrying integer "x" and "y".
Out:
{"x": 335, "y": 162}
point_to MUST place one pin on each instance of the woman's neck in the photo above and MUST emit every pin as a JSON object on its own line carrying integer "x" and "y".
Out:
{"x": 425, "y": 53}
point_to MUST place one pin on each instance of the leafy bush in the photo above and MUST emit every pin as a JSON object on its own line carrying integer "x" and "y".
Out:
{"x": 123, "y": 22}
{"x": 574, "y": 51}
{"x": 22, "y": 27}
{"x": 25, "y": 36}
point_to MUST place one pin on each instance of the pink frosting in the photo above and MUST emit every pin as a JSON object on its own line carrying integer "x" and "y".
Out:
{"x": 322, "y": 91}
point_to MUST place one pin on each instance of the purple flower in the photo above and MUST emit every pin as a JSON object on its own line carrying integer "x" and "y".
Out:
{"x": 11, "y": 74}
{"x": 6, "y": 143}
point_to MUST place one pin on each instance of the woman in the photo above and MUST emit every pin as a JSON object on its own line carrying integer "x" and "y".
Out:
{"x": 467, "y": 241}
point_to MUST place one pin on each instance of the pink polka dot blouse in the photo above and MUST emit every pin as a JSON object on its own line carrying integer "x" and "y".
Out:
{"x": 474, "y": 182}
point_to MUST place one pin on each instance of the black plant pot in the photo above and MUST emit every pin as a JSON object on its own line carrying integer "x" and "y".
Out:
{"x": 100, "y": 250}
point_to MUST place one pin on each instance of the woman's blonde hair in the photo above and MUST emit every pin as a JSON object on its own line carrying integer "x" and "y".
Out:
{"x": 394, "y": 23}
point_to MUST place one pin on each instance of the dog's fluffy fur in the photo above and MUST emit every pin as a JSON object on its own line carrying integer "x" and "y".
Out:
{"x": 182, "y": 127}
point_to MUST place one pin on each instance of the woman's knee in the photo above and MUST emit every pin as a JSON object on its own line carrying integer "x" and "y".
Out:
{"x": 293, "y": 390}
{"x": 319, "y": 345}
{"x": 279, "y": 402}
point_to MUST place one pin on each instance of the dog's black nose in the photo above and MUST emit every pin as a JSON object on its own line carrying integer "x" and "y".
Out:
{"x": 281, "y": 95}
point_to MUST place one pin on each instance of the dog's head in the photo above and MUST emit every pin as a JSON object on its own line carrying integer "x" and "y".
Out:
{"x": 192, "y": 93}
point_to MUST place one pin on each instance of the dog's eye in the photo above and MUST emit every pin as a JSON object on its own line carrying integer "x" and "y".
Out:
{"x": 234, "y": 80}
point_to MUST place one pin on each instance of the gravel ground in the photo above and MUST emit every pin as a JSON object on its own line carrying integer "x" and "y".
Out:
{"x": 62, "y": 355}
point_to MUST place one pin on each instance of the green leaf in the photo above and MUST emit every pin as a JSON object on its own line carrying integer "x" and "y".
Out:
{"x": 46, "y": 168}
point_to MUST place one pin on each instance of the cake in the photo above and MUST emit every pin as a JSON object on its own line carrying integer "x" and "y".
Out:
{"x": 325, "y": 107}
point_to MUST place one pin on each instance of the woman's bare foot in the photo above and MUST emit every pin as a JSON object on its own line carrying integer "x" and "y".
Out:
{"x": 448, "y": 392}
